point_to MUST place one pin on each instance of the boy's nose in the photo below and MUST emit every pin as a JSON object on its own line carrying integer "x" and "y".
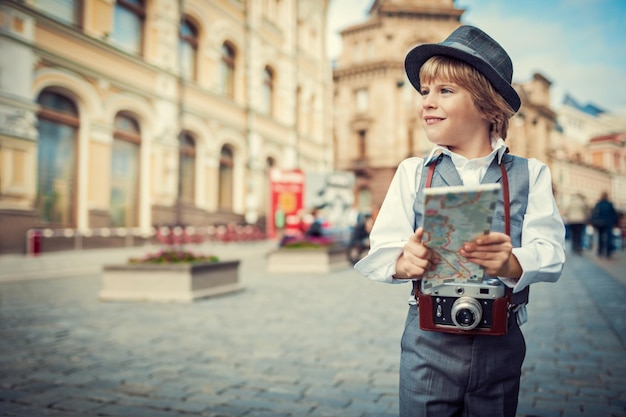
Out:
{"x": 428, "y": 101}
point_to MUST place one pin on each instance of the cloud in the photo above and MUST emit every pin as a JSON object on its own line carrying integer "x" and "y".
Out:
{"x": 582, "y": 59}
{"x": 341, "y": 14}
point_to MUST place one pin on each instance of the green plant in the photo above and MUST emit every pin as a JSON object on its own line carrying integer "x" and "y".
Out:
{"x": 308, "y": 242}
{"x": 173, "y": 256}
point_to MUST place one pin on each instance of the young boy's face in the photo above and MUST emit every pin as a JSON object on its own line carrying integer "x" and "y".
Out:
{"x": 449, "y": 115}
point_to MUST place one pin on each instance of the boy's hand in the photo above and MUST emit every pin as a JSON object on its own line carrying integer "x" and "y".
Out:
{"x": 416, "y": 258}
{"x": 493, "y": 251}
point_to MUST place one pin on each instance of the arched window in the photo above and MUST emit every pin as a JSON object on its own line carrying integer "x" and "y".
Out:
{"x": 226, "y": 179}
{"x": 56, "y": 159}
{"x": 188, "y": 49}
{"x": 187, "y": 161}
{"x": 124, "y": 199}
{"x": 128, "y": 21}
{"x": 67, "y": 11}
{"x": 266, "y": 196}
{"x": 311, "y": 127}
{"x": 267, "y": 91}
{"x": 228, "y": 70}
{"x": 299, "y": 114}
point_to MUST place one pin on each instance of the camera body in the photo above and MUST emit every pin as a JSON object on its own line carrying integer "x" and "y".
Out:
{"x": 465, "y": 308}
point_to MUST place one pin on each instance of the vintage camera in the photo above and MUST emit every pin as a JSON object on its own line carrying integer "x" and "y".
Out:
{"x": 465, "y": 308}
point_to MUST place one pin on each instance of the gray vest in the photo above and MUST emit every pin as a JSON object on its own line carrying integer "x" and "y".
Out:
{"x": 517, "y": 170}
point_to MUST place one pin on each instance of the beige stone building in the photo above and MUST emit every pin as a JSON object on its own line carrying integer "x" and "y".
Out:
{"x": 590, "y": 154}
{"x": 375, "y": 125}
{"x": 137, "y": 113}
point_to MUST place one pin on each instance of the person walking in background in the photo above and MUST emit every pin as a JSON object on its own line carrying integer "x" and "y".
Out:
{"x": 576, "y": 214}
{"x": 316, "y": 229}
{"x": 603, "y": 219}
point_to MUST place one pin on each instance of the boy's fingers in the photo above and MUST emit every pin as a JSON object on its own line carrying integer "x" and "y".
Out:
{"x": 418, "y": 235}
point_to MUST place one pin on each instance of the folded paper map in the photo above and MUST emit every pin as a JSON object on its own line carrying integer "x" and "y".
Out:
{"x": 453, "y": 216}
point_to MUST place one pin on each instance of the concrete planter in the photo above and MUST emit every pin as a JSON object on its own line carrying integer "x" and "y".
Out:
{"x": 311, "y": 260}
{"x": 169, "y": 282}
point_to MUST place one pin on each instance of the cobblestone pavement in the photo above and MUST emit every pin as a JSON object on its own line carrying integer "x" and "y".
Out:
{"x": 289, "y": 345}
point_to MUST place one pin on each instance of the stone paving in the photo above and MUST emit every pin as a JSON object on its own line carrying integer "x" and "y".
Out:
{"x": 288, "y": 346}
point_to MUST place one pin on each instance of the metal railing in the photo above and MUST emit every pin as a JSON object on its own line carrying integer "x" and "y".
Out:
{"x": 166, "y": 235}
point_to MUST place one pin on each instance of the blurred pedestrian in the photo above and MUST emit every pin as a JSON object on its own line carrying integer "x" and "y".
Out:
{"x": 316, "y": 229}
{"x": 576, "y": 214}
{"x": 603, "y": 219}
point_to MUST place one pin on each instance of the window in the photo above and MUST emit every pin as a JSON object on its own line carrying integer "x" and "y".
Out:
{"x": 267, "y": 91}
{"x": 358, "y": 52}
{"x": 125, "y": 171}
{"x": 371, "y": 53}
{"x": 311, "y": 127}
{"x": 188, "y": 49}
{"x": 362, "y": 144}
{"x": 226, "y": 178}
{"x": 299, "y": 120}
{"x": 56, "y": 159}
{"x": 187, "y": 161}
{"x": 266, "y": 196}
{"x": 362, "y": 102}
{"x": 228, "y": 70}
{"x": 128, "y": 20}
{"x": 67, "y": 11}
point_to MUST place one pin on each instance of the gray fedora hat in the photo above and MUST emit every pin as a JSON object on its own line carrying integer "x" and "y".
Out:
{"x": 473, "y": 46}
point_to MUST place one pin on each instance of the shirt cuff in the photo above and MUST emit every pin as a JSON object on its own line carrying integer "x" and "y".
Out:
{"x": 380, "y": 265}
{"x": 530, "y": 269}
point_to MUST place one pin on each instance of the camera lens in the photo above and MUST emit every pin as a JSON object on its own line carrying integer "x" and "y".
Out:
{"x": 466, "y": 313}
{"x": 465, "y": 317}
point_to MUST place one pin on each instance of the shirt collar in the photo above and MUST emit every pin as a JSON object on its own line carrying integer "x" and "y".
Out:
{"x": 498, "y": 147}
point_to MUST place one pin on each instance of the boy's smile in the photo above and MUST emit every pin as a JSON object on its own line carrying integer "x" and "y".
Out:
{"x": 432, "y": 120}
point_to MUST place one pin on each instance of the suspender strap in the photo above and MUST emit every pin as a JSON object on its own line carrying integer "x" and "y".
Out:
{"x": 507, "y": 200}
{"x": 505, "y": 193}
{"x": 431, "y": 171}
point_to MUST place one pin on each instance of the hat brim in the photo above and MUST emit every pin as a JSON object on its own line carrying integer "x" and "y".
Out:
{"x": 420, "y": 54}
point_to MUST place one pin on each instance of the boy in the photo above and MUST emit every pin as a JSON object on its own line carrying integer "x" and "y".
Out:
{"x": 467, "y": 101}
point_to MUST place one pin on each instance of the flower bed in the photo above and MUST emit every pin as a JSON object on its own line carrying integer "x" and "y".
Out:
{"x": 307, "y": 257}
{"x": 169, "y": 276}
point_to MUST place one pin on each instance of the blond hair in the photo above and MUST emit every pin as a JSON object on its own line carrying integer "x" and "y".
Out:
{"x": 484, "y": 96}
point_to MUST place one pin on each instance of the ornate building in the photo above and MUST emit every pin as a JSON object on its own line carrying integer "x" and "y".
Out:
{"x": 375, "y": 124}
{"x": 136, "y": 113}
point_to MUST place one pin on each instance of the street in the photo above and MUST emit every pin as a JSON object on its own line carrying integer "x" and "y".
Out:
{"x": 288, "y": 345}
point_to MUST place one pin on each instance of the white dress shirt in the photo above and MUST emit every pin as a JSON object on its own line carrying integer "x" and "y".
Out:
{"x": 541, "y": 255}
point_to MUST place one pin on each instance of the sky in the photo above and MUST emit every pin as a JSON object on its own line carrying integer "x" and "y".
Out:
{"x": 579, "y": 45}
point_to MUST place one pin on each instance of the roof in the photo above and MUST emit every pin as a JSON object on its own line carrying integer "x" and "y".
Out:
{"x": 611, "y": 138}
{"x": 588, "y": 108}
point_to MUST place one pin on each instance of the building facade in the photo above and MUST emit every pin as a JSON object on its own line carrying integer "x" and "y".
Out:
{"x": 138, "y": 113}
{"x": 592, "y": 164}
{"x": 375, "y": 124}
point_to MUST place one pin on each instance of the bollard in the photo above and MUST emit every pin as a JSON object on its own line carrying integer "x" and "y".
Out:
{"x": 34, "y": 242}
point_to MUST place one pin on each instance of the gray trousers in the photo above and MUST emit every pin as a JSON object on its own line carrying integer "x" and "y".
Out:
{"x": 446, "y": 375}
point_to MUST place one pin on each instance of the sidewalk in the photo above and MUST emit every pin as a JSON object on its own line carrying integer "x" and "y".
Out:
{"x": 63, "y": 264}
{"x": 297, "y": 345}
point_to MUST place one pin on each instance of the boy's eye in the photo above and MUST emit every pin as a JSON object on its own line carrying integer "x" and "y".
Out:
{"x": 445, "y": 90}
{"x": 424, "y": 92}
